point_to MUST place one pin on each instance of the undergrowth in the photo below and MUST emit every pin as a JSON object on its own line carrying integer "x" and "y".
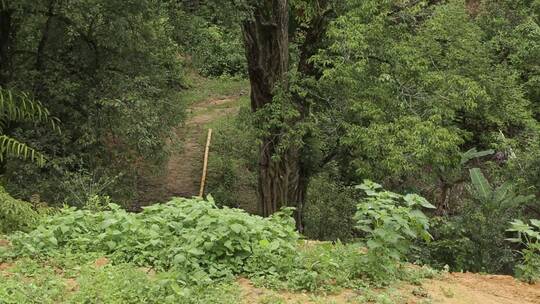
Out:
{"x": 30, "y": 281}
{"x": 190, "y": 236}
{"x": 19, "y": 215}
{"x": 190, "y": 251}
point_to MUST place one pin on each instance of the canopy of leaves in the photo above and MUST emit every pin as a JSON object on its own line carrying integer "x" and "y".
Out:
{"x": 109, "y": 70}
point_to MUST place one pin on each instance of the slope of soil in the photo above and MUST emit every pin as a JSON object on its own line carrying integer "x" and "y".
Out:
{"x": 461, "y": 288}
{"x": 454, "y": 288}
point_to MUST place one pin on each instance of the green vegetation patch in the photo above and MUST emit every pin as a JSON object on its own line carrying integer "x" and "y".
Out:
{"x": 63, "y": 281}
{"x": 190, "y": 236}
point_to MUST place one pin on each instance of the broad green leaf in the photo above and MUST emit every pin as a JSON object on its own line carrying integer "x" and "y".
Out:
{"x": 237, "y": 228}
{"x": 111, "y": 244}
{"x": 535, "y": 223}
{"x": 480, "y": 183}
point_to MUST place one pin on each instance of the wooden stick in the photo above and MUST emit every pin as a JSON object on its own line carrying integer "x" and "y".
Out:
{"x": 205, "y": 165}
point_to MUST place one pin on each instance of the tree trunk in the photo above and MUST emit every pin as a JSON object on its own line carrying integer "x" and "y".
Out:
{"x": 280, "y": 180}
{"x": 266, "y": 39}
{"x": 5, "y": 43}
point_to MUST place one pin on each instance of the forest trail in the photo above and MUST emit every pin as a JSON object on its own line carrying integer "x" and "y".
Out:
{"x": 452, "y": 288}
{"x": 184, "y": 167}
{"x": 180, "y": 175}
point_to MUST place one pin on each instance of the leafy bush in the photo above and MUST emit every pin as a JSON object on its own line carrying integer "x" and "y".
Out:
{"x": 451, "y": 247}
{"x": 391, "y": 222}
{"x": 327, "y": 267}
{"x": 474, "y": 240}
{"x": 316, "y": 267}
{"x": 215, "y": 50}
{"x": 329, "y": 211}
{"x": 191, "y": 236}
{"x": 16, "y": 214}
{"x": 529, "y": 237}
{"x": 83, "y": 188}
{"x": 220, "y": 52}
{"x": 232, "y": 171}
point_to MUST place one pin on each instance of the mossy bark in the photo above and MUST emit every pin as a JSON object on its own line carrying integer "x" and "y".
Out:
{"x": 266, "y": 40}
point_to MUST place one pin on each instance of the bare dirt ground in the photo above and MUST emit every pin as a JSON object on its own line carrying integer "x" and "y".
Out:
{"x": 453, "y": 288}
{"x": 462, "y": 288}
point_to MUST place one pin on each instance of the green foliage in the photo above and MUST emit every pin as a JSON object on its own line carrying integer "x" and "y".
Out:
{"x": 16, "y": 215}
{"x": 19, "y": 107}
{"x": 109, "y": 71}
{"x": 415, "y": 85}
{"x": 232, "y": 177}
{"x": 219, "y": 52}
{"x": 80, "y": 279}
{"x": 329, "y": 210}
{"x": 192, "y": 237}
{"x": 85, "y": 190}
{"x": 316, "y": 267}
{"x": 391, "y": 222}
{"x": 474, "y": 239}
{"x": 331, "y": 267}
{"x": 500, "y": 198}
{"x": 191, "y": 244}
{"x": 451, "y": 246}
{"x": 30, "y": 281}
{"x": 216, "y": 49}
{"x": 528, "y": 236}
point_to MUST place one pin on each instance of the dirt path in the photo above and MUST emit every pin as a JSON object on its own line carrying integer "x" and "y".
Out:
{"x": 181, "y": 175}
{"x": 184, "y": 166}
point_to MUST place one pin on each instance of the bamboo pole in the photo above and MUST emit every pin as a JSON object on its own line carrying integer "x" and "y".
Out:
{"x": 205, "y": 165}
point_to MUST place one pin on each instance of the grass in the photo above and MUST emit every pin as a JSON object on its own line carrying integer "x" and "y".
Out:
{"x": 90, "y": 278}
{"x": 62, "y": 281}
{"x": 202, "y": 89}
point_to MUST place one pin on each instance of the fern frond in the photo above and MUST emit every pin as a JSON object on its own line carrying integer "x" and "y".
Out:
{"x": 11, "y": 147}
{"x": 21, "y": 107}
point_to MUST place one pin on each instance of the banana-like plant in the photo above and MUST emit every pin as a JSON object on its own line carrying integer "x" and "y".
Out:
{"x": 20, "y": 107}
{"x": 499, "y": 197}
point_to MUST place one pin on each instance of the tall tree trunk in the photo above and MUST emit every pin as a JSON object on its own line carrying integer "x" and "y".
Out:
{"x": 266, "y": 39}
{"x": 313, "y": 43}
{"x": 6, "y": 35}
{"x": 5, "y": 43}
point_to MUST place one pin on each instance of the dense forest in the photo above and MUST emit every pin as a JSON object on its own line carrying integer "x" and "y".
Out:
{"x": 357, "y": 145}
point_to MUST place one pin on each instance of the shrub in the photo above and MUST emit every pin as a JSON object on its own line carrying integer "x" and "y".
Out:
{"x": 16, "y": 214}
{"x": 215, "y": 50}
{"x": 391, "y": 223}
{"x": 451, "y": 247}
{"x": 329, "y": 211}
{"x": 474, "y": 240}
{"x": 191, "y": 236}
{"x": 529, "y": 237}
{"x": 232, "y": 171}
{"x": 220, "y": 52}
{"x": 83, "y": 189}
